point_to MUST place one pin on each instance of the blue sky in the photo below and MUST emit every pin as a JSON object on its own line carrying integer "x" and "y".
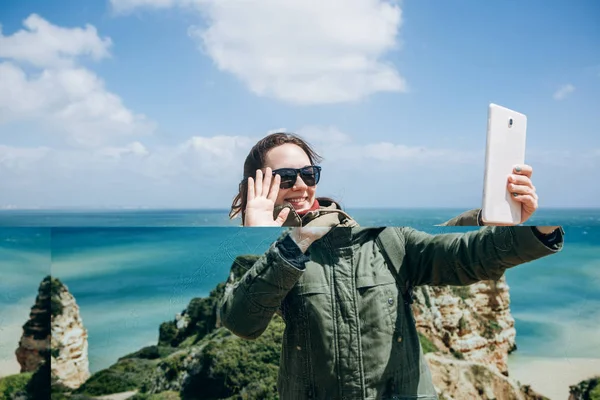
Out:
{"x": 156, "y": 103}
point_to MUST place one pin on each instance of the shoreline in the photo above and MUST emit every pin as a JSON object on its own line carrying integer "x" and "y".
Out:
{"x": 551, "y": 376}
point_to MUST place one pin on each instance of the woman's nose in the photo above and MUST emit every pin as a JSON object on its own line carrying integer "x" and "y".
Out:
{"x": 299, "y": 185}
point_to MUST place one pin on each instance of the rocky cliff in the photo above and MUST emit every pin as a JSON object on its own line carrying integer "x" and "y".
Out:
{"x": 70, "y": 365}
{"x": 472, "y": 323}
{"x": 456, "y": 379}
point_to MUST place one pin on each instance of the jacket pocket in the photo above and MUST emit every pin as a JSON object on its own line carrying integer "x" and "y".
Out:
{"x": 308, "y": 307}
{"x": 378, "y": 302}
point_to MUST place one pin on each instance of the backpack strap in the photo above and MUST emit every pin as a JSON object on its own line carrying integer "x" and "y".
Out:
{"x": 387, "y": 240}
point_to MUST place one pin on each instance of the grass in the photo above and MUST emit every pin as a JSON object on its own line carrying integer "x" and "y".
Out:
{"x": 168, "y": 395}
{"x": 427, "y": 345}
{"x": 12, "y": 384}
{"x": 464, "y": 292}
{"x": 491, "y": 329}
{"x": 127, "y": 374}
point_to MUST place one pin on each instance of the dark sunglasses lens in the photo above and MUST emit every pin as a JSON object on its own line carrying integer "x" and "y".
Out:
{"x": 310, "y": 176}
{"x": 288, "y": 178}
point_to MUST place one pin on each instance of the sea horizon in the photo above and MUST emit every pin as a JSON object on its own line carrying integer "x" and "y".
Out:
{"x": 205, "y": 217}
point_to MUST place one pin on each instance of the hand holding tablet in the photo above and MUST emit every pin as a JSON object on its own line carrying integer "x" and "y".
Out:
{"x": 509, "y": 197}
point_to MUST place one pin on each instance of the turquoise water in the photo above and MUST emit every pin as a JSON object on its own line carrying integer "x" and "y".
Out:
{"x": 24, "y": 262}
{"x": 189, "y": 218}
{"x": 129, "y": 280}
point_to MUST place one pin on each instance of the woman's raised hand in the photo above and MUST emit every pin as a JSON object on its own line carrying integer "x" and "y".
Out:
{"x": 262, "y": 194}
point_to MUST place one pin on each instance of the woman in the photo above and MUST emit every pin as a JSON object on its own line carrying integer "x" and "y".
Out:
{"x": 283, "y": 168}
{"x": 345, "y": 293}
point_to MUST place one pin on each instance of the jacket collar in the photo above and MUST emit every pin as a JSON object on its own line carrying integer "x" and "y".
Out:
{"x": 329, "y": 214}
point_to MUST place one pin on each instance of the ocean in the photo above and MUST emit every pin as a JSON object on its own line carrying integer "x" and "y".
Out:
{"x": 127, "y": 280}
{"x": 192, "y": 218}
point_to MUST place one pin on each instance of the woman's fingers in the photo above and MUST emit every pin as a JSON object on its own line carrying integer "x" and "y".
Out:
{"x": 250, "y": 188}
{"x": 274, "y": 190}
{"x": 530, "y": 203}
{"x": 282, "y": 216}
{"x": 267, "y": 181}
{"x": 520, "y": 180}
{"x": 520, "y": 190}
{"x": 523, "y": 169}
{"x": 259, "y": 183}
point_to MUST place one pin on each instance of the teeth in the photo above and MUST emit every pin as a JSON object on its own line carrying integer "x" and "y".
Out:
{"x": 295, "y": 200}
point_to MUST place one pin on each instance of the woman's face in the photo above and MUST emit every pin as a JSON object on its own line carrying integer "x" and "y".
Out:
{"x": 289, "y": 155}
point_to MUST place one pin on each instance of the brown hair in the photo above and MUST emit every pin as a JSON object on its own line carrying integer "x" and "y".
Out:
{"x": 256, "y": 160}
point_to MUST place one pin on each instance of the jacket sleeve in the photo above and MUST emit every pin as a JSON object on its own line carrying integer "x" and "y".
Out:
{"x": 461, "y": 259}
{"x": 248, "y": 306}
{"x": 468, "y": 218}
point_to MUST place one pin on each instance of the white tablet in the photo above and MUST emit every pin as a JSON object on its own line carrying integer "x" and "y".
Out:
{"x": 505, "y": 148}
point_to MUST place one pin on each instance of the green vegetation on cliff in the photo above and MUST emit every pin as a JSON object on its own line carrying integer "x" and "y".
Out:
{"x": 426, "y": 344}
{"x": 201, "y": 320}
{"x": 127, "y": 374}
{"x": 237, "y": 368}
{"x": 13, "y": 384}
{"x": 586, "y": 390}
{"x": 56, "y": 286}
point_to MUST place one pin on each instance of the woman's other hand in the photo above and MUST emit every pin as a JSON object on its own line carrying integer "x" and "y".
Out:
{"x": 521, "y": 187}
{"x": 304, "y": 237}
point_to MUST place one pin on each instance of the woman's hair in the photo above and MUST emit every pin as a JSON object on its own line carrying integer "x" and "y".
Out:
{"x": 256, "y": 160}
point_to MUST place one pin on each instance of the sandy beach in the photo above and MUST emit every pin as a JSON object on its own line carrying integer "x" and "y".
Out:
{"x": 552, "y": 376}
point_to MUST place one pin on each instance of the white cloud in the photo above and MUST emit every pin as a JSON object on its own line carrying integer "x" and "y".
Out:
{"x": 324, "y": 137}
{"x": 21, "y": 159}
{"x": 126, "y": 6}
{"x": 45, "y": 45}
{"x": 337, "y": 146}
{"x": 135, "y": 149}
{"x": 564, "y": 91}
{"x": 142, "y": 174}
{"x": 120, "y": 175}
{"x": 307, "y": 53}
{"x": 221, "y": 147}
{"x": 61, "y": 96}
{"x": 181, "y": 175}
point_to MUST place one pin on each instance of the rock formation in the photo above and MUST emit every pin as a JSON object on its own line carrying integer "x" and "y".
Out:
{"x": 460, "y": 379}
{"x": 70, "y": 365}
{"x": 472, "y": 322}
{"x": 35, "y": 340}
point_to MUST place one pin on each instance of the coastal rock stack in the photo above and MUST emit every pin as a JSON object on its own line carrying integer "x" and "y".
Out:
{"x": 35, "y": 340}
{"x": 70, "y": 364}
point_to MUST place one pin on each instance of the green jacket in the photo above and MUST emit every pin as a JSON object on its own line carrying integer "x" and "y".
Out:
{"x": 349, "y": 333}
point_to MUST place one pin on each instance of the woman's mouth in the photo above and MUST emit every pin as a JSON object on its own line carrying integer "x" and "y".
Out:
{"x": 297, "y": 202}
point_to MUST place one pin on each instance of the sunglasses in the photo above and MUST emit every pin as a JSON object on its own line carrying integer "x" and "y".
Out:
{"x": 310, "y": 175}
